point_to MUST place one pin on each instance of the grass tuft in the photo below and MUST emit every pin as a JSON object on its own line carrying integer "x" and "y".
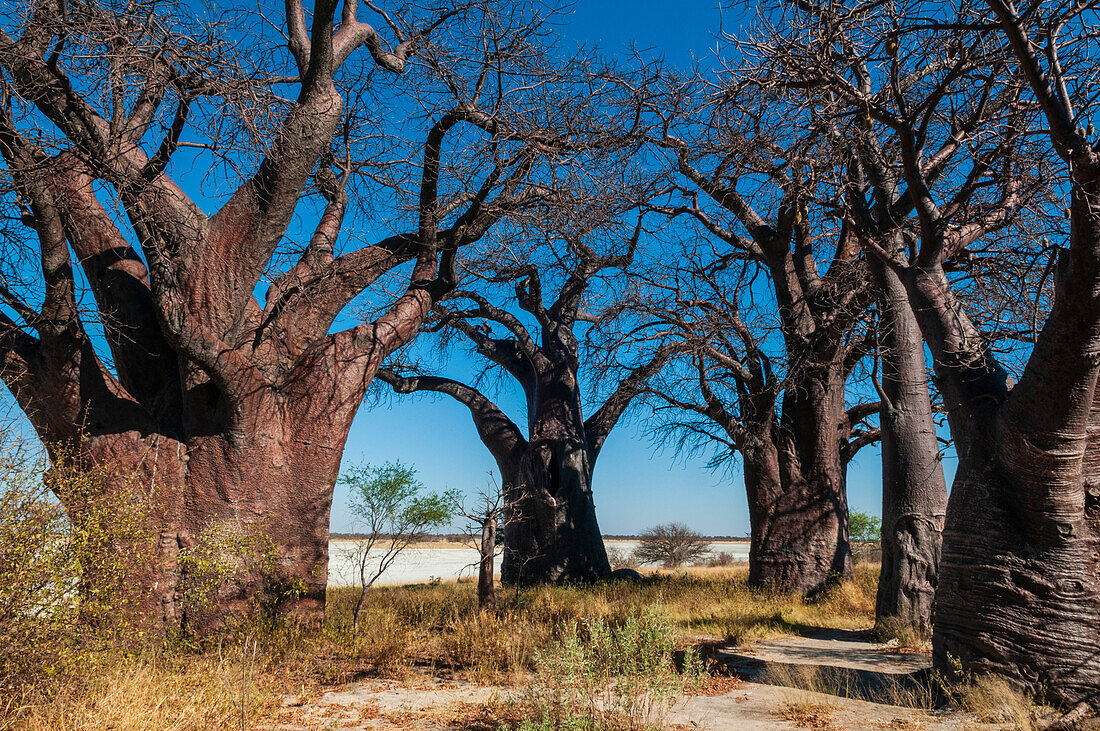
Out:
{"x": 808, "y": 714}
{"x": 993, "y": 699}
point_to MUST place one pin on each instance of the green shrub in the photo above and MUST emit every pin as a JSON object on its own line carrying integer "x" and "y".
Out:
{"x": 225, "y": 556}
{"x": 600, "y": 676}
{"x": 65, "y": 588}
{"x": 864, "y": 527}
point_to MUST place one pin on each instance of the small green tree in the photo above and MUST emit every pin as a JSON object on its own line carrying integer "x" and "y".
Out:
{"x": 864, "y": 527}
{"x": 392, "y": 510}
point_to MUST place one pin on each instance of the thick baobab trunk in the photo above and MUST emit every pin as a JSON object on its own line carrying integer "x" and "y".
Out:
{"x": 1019, "y": 593}
{"x": 278, "y": 496}
{"x": 795, "y": 479}
{"x": 550, "y": 530}
{"x": 914, "y": 493}
{"x": 1019, "y": 589}
{"x": 271, "y": 493}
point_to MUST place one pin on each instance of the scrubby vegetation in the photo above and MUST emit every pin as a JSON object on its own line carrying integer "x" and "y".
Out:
{"x": 188, "y": 683}
{"x": 75, "y": 654}
{"x": 603, "y": 676}
{"x": 672, "y": 545}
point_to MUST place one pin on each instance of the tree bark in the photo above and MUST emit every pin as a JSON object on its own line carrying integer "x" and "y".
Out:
{"x": 274, "y": 482}
{"x": 486, "y": 584}
{"x": 795, "y": 478}
{"x": 550, "y": 530}
{"x": 1018, "y": 592}
{"x": 914, "y": 493}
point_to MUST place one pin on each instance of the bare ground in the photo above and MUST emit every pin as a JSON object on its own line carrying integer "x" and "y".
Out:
{"x": 841, "y": 668}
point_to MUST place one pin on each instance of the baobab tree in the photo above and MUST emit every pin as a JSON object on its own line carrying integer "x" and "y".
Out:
{"x": 550, "y": 529}
{"x": 213, "y": 405}
{"x": 816, "y": 57}
{"x": 732, "y": 399}
{"x": 1020, "y": 589}
{"x": 1017, "y": 593}
{"x": 771, "y": 387}
{"x": 914, "y": 491}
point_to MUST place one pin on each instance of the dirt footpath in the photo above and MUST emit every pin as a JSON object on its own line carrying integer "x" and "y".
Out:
{"x": 756, "y": 696}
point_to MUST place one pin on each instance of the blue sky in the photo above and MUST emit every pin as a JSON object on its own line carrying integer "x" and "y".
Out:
{"x": 636, "y": 484}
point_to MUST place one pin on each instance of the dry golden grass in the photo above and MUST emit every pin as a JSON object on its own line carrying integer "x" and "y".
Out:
{"x": 901, "y": 638}
{"x": 807, "y": 714}
{"x": 189, "y": 687}
{"x": 441, "y": 625}
{"x": 182, "y": 695}
{"x": 993, "y": 700}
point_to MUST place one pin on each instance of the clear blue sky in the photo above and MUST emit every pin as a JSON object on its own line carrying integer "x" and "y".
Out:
{"x": 635, "y": 485}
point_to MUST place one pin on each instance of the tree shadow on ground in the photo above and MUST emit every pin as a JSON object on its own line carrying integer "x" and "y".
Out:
{"x": 844, "y": 663}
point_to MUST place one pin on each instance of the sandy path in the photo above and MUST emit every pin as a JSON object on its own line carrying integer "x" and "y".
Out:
{"x": 432, "y": 703}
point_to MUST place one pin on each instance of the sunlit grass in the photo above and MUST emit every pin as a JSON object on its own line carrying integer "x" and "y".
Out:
{"x": 434, "y": 628}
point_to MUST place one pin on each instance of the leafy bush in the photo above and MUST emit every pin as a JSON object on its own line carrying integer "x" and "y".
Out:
{"x": 671, "y": 545}
{"x": 38, "y": 571}
{"x": 224, "y": 558}
{"x": 64, "y": 588}
{"x": 863, "y": 527}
